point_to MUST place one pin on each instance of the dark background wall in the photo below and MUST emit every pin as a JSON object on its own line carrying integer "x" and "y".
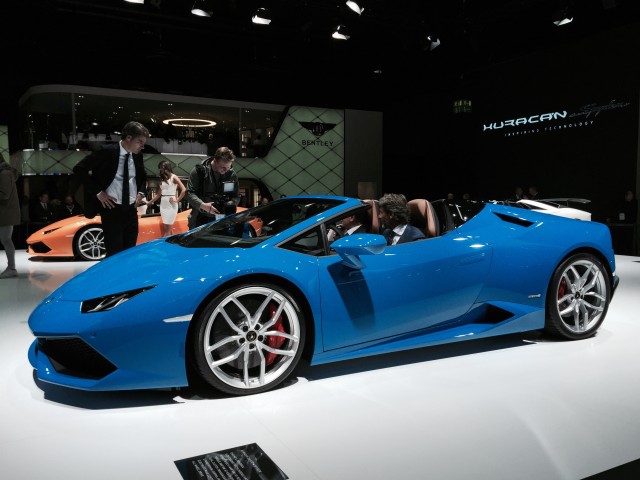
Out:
{"x": 598, "y": 162}
{"x": 507, "y": 65}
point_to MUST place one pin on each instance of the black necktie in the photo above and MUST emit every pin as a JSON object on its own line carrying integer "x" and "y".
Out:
{"x": 125, "y": 182}
{"x": 390, "y": 236}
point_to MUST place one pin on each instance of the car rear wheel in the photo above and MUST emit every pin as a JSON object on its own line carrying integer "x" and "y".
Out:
{"x": 578, "y": 298}
{"x": 249, "y": 339}
{"x": 88, "y": 244}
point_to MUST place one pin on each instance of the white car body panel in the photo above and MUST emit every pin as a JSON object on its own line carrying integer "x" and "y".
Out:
{"x": 550, "y": 206}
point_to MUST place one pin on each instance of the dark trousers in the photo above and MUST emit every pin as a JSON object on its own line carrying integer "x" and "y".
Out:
{"x": 202, "y": 219}
{"x": 120, "y": 227}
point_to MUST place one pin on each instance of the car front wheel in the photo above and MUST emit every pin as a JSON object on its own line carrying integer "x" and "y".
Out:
{"x": 578, "y": 298}
{"x": 88, "y": 244}
{"x": 249, "y": 339}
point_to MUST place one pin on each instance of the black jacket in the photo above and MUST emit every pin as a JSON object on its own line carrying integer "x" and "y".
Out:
{"x": 63, "y": 211}
{"x": 39, "y": 214}
{"x": 206, "y": 185}
{"x": 98, "y": 169}
{"x": 410, "y": 234}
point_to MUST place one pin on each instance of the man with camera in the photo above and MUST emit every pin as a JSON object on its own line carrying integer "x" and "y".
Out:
{"x": 212, "y": 186}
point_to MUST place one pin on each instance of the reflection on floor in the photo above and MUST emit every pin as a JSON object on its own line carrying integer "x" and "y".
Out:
{"x": 515, "y": 407}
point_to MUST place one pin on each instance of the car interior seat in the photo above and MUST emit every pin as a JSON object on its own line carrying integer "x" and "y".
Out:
{"x": 423, "y": 216}
{"x": 443, "y": 215}
{"x": 373, "y": 223}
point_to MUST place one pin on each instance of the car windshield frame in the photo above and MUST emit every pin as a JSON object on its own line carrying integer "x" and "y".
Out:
{"x": 253, "y": 226}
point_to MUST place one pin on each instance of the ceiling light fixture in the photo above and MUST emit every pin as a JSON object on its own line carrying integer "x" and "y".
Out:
{"x": 562, "y": 17}
{"x": 202, "y": 8}
{"x": 134, "y": 1}
{"x": 261, "y": 17}
{"x": 189, "y": 122}
{"x": 355, "y": 6}
{"x": 341, "y": 33}
{"x": 431, "y": 42}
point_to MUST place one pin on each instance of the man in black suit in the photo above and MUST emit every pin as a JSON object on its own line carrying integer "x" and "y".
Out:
{"x": 106, "y": 182}
{"x": 42, "y": 210}
{"x": 348, "y": 226}
{"x": 395, "y": 215}
{"x": 354, "y": 223}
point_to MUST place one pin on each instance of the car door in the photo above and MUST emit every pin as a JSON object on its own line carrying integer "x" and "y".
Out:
{"x": 408, "y": 287}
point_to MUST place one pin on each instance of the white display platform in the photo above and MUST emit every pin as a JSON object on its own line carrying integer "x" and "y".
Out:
{"x": 520, "y": 407}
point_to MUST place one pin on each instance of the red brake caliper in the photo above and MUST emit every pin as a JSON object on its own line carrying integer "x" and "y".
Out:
{"x": 562, "y": 288}
{"x": 273, "y": 341}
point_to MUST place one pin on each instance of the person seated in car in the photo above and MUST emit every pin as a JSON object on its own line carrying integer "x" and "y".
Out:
{"x": 394, "y": 216}
{"x": 349, "y": 225}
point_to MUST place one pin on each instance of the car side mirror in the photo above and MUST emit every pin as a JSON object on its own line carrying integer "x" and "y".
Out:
{"x": 351, "y": 247}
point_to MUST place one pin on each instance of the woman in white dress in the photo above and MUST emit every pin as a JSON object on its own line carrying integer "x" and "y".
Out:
{"x": 168, "y": 195}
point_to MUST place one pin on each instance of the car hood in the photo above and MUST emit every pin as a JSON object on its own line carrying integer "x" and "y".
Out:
{"x": 146, "y": 265}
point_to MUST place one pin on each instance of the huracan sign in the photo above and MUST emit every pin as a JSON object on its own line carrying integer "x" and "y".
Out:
{"x": 525, "y": 120}
{"x": 584, "y": 116}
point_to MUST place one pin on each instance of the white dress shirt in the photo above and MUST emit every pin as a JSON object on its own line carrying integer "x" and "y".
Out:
{"x": 115, "y": 189}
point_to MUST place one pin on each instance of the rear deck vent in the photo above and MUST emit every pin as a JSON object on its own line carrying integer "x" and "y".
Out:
{"x": 517, "y": 220}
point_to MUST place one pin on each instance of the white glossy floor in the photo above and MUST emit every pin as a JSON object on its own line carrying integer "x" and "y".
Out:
{"x": 512, "y": 408}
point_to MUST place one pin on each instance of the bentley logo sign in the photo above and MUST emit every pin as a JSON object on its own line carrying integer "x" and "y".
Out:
{"x": 318, "y": 128}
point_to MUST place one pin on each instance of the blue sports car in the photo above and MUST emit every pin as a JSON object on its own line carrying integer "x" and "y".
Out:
{"x": 236, "y": 303}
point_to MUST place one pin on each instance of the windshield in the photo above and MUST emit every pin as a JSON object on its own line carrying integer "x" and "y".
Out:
{"x": 250, "y": 227}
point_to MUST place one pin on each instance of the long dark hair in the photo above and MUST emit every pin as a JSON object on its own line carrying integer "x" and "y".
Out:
{"x": 166, "y": 170}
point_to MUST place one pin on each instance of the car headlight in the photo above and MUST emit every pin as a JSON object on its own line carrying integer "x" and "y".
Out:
{"x": 108, "y": 302}
{"x": 47, "y": 232}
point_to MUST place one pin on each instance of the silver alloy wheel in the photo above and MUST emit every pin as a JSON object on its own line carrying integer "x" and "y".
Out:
{"x": 252, "y": 338}
{"x": 582, "y": 295}
{"x": 89, "y": 244}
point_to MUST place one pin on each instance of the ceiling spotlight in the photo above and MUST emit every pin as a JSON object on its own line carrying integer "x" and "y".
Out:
{"x": 562, "y": 17}
{"x": 341, "y": 33}
{"x": 431, "y": 42}
{"x": 261, "y": 17}
{"x": 202, "y": 8}
{"x": 356, "y": 6}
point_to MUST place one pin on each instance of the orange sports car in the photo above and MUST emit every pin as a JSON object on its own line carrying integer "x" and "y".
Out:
{"x": 82, "y": 237}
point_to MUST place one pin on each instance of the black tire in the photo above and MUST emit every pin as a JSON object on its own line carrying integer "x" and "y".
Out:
{"x": 248, "y": 339}
{"x": 578, "y": 297}
{"x": 88, "y": 244}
